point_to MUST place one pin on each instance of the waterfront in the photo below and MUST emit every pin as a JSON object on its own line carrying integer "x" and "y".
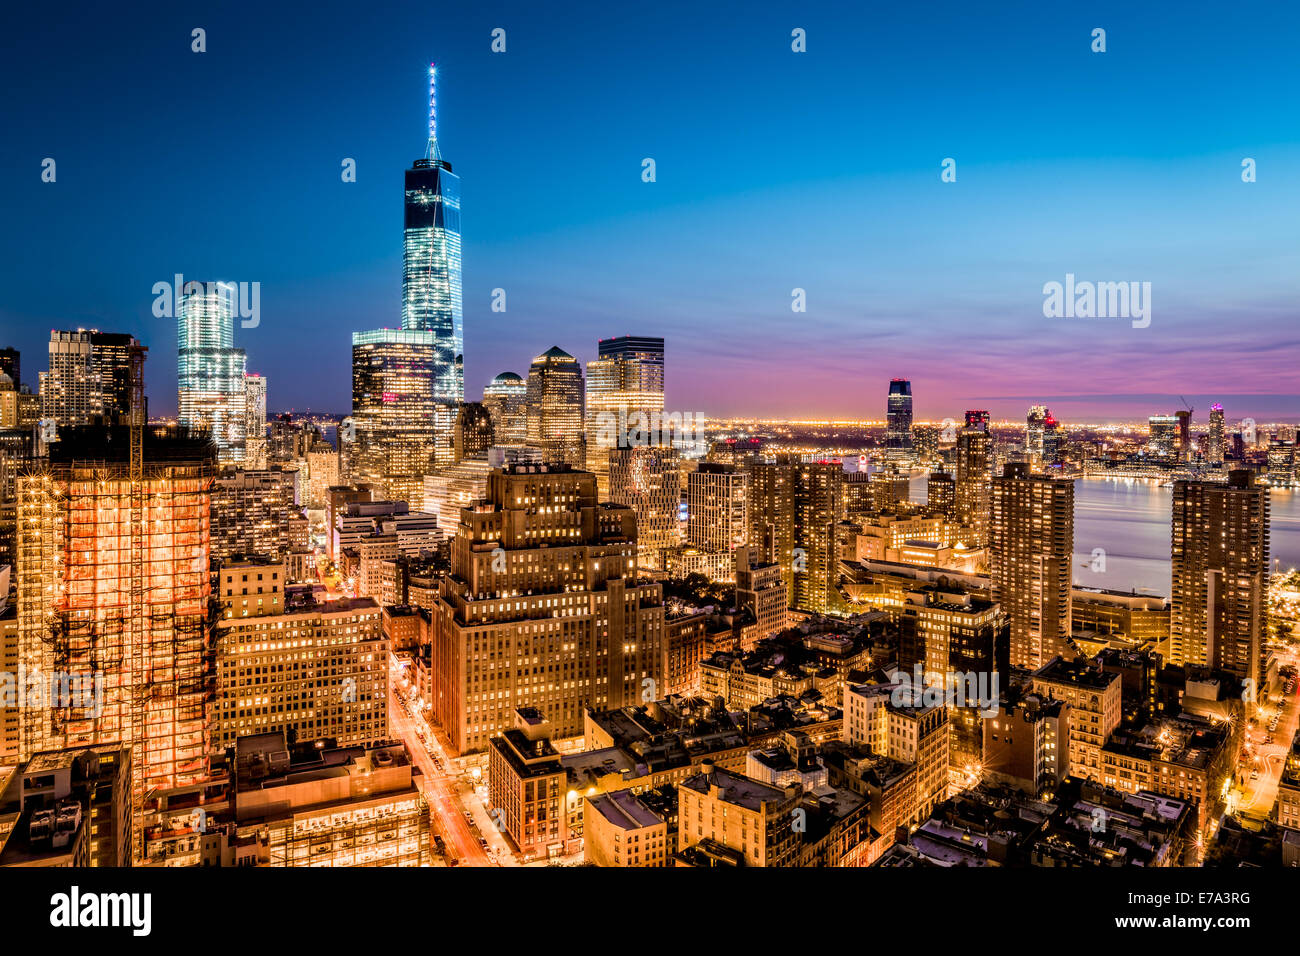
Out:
{"x": 1127, "y": 522}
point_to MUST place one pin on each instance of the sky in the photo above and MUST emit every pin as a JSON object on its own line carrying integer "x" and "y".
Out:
{"x": 774, "y": 171}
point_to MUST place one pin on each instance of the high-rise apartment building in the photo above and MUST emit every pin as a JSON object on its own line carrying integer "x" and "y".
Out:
{"x": 543, "y": 608}
{"x": 210, "y": 370}
{"x": 794, "y": 507}
{"x": 1031, "y": 541}
{"x": 1183, "y": 436}
{"x": 256, "y": 512}
{"x": 941, "y": 496}
{"x": 89, "y": 378}
{"x": 114, "y": 586}
{"x": 555, "y": 407}
{"x": 624, "y": 381}
{"x": 1220, "y": 553}
{"x": 255, "y": 420}
{"x": 898, "y": 428}
{"x": 717, "y": 507}
{"x": 647, "y": 479}
{"x": 974, "y": 483}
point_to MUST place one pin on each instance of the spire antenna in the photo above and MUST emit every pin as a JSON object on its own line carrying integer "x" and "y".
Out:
{"x": 432, "y": 152}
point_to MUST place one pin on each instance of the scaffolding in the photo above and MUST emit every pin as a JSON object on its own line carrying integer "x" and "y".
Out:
{"x": 113, "y": 572}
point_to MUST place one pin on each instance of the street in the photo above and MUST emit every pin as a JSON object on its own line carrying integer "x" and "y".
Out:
{"x": 450, "y": 796}
{"x": 1260, "y": 794}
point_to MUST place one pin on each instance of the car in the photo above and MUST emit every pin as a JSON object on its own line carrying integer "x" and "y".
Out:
{"x": 453, "y": 862}
{"x": 1254, "y": 775}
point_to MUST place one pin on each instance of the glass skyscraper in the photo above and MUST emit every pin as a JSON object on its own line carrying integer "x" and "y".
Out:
{"x": 210, "y": 370}
{"x": 898, "y": 428}
{"x": 506, "y": 399}
{"x": 431, "y": 268}
{"x": 393, "y": 411}
{"x": 626, "y": 379}
{"x": 555, "y": 407}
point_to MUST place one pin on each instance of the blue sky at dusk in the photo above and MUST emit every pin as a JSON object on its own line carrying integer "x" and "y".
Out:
{"x": 775, "y": 170}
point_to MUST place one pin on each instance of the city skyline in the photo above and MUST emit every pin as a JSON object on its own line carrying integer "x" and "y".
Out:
{"x": 788, "y": 438}
{"x": 936, "y": 261}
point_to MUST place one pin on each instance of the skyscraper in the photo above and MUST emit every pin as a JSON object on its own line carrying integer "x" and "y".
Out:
{"x": 1030, "y": 547}
{"x": 717, "y": 507}
{"x": 506, "y": 399}
{"x": 89, "y": 378}
{"x": 973, "y": 490}
{"x": 1183, "y": 436}
{"x": 431, "y": 267}
{"x": 255, "y": 420}
{"x": 626, "y": 379}
{"x": 818, "y": 503}
{"x": 1162, "y": 435}
{"x": 555, "y": 406}
{"x": 1214, "y": 444}
{"x": 473, "y": 434}
{"x": 941, "y": 496}
{"x": 647, "y": 479}
{"x": 1219, "y": 553}
{"x": 1051, "y": 441}
{"x": 11, "y": 365}
{"x": 393, "y": 410}
{"x": 898, "y": 429}
{"x": 1035, "y": 423}
{"x": 210, "y": 370}
{"x": 977, "y": 418}
{"x": 794, "y": 507}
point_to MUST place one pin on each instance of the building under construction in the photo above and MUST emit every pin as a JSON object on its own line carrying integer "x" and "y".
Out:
{"x": 113, "y": 583}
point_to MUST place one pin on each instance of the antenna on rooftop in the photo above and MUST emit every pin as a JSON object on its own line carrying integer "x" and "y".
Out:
{"x": 432, "y": 152}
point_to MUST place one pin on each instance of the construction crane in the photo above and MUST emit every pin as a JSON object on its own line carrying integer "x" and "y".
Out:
{"x": 136, "y": 610}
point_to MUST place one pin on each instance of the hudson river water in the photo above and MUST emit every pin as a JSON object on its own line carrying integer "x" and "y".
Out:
{"x": 1129, "y": 521}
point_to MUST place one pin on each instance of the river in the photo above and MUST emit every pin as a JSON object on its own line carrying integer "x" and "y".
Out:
{"x": 1128, "y": 520}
